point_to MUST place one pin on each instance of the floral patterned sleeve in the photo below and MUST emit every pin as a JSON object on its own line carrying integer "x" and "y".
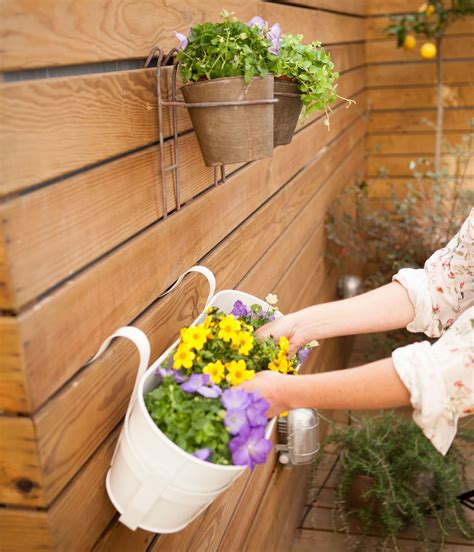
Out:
{"x": 440, "y": 377}
{"x": 444, "y": 288}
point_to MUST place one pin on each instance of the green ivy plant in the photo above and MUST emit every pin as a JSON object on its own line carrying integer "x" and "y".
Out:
{"x": 226, "y": 49}
{"x": 409, "y": 482}
{"x": 311, "y": 68}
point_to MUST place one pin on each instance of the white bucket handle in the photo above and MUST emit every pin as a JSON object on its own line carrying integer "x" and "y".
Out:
{"x": 202, "y": 270}
{"x": 140, "y": 340}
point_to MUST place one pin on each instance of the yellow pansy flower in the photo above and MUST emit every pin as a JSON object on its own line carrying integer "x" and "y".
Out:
{"x": 229, "y": 326}
{"x": 215, "y": 370}
{"x": 243, "y": 341}
{"x": 195, "y": 336}
{"x": 238, "y": 373}
{"x": 284, "y": 344}
{"x": 208, "y": 323}
{"x": 183, "y": 358}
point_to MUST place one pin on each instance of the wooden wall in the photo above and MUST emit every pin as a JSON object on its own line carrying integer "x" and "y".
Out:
{"x": 85, "y": 248}
{"x": 401, "y": 95}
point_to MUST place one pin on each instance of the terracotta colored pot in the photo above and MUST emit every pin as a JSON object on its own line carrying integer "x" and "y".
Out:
{"x": 287, "y": 111}
{"x": 232, "y": 134}
{"x": 355, "y": 498}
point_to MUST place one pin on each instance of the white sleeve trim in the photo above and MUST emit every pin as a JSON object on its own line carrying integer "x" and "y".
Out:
{"x": 415, "y": 281}
{"x": 416, "y": 366}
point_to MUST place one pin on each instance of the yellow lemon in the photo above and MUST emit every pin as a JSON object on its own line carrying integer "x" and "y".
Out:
{"x": 410, "y": 42}
{"x": 428, "y": 50}
{"x": 430, "y": 10}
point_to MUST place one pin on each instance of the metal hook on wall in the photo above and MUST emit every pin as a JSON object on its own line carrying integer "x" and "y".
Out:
{"x": 162, "y": 61}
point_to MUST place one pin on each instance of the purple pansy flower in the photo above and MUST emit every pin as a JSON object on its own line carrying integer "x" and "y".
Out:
{"x": 199, "y": 383}
{"x": 163, "y": 372}
{"x": 258, "y": 22}
{"x": 250, "y": 448}
{"x": 211, "y": 392}
{"x": 274, "y": 35}
{"x": 178, "y": 376}
{"x": 194, "y": 382}
{"x": 239, "y": 309}
{"x": 183, "y": 40}
{"x": 256, "y": 411}
{"x": 236, "y": 422}
{"x": 303, "y": 354}
{"x": 235, "y": 399}
{"x": 166, "y": 372}
{"x": 202, "y": 454}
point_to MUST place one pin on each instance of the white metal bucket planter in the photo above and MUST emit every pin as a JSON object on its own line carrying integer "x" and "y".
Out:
{"x": 153, "y": 483}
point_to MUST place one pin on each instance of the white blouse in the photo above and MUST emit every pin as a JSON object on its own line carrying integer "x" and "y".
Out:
{"x": 440, "y": 377}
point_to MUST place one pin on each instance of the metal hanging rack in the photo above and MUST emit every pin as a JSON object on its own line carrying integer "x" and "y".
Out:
{"x": 163, "y": 61}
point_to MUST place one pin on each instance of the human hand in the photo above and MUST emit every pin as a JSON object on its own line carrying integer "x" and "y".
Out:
{"x": 286, "y": 326}
{"x": 271, "y": 386}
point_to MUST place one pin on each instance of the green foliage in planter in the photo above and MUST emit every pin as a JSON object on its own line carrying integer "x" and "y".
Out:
{"x": 190, "y": 423}
{"x": 311, "y": 68}
{"x": 227, "y": 49}
{"x": 411, "y": 480}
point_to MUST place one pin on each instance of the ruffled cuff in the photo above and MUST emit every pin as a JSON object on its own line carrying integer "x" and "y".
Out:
{"x": 415, "y": 281}
{"x": 417, "y": 368}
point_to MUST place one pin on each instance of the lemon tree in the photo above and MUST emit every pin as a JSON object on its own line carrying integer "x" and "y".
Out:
{"x": 429, "y": 23}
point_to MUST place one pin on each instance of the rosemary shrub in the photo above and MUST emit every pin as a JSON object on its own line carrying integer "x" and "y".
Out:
{"x": 413, "y": 484}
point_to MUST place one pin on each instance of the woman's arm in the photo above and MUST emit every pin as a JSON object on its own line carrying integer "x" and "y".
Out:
{"x": 386, "y": 308}
{"x": 371, "y": 386}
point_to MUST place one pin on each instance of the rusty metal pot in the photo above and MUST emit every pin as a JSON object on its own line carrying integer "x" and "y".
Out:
{"x": 287, "y": 111}
{"x": 240, "y": 130}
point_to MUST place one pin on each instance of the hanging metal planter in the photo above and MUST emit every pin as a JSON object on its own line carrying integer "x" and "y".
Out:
{"x": 233, "y": 120}
{"x": 287, "y": 111}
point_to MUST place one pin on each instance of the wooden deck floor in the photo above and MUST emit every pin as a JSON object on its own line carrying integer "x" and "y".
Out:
{"x": 317, "y": 532}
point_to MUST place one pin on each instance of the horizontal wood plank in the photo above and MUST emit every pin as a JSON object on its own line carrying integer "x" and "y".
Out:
{"x": 50, "y": 127}
{"x": 65, "y": 435}
{"x": 416, "y": 97}
{"x": 383, "y": 51}
{"x": 419, "y": 120}
{"x": 416, "y": 143}
{"x": 83, "y": 511}
{"x": 356, "y": 7}
{"x": 416, "y": 73}
{"x": 400, "y": 165}
{"x": 375, "y": 7}
{"x": 375, "y": 26}
{"x": 13, "y": 386}
{"x": 51, "y": 33}
{"x": 23, "y": 530}
{"x": 21, "y": 479}
{"x": 327, "y": 27}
